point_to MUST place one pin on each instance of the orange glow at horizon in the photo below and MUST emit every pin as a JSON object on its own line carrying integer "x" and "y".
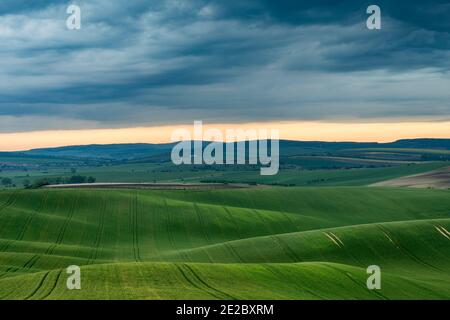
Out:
{"x": 305, "y": 131}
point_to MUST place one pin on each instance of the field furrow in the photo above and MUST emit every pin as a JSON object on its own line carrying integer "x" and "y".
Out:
{"x": 262, "y": 243}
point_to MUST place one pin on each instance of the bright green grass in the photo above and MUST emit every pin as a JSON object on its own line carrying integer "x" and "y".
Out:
{"x": 220, "y": 281}
{"x": 270, "y": 243}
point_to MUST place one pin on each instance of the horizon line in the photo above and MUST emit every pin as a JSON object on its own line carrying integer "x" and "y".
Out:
{"x": 211, "y": 141}
{"x": 377, "y": 132}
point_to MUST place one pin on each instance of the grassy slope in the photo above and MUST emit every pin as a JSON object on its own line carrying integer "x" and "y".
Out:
{"x": 256, "y": 243}
{"x": 220, "y": 281}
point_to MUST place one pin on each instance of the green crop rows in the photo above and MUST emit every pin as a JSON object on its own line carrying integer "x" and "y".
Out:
{"x": 262, "y": 243}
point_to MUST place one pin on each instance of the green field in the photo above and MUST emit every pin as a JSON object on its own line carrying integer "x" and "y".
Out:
{"x": 167, "y": 172}
{"x": 336, "y": 177}
{"x": 262, "y": 243}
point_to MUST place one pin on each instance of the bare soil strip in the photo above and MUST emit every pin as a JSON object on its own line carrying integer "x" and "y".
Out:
{"x": 437, "y": 179}
{"x": 158, "y": 186}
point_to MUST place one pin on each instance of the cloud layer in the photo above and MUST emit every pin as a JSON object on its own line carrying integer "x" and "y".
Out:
{"x": 137, "y": 63}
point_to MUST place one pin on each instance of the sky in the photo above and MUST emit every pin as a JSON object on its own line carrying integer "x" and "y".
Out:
{"x": 138, "y": 69}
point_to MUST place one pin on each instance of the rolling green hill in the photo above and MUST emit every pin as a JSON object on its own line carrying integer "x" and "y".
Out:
{"x": 262, "y": 243}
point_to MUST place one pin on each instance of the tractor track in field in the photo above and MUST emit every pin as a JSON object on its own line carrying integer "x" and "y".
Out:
{"x": 240, "y": 237}
{"x": 55, "y": 283}
{"x": 233, "y": 252}
{"x": 406, "y": 251}
{"x": 9, "y": 202}
{"x": 149, "y": 284}
{"x": 39, "y": 286}
{"x": 259, "y": 215}
{"x": 6, "y": 245}
{"x": 196, "y": 281}
{"x": 27, "y": 223}
{"x": 280, "y": 276}
{"x": 417, "y": 284}
{"x": 185, "y": 224}
{"x": 264, "y": 222}
{"x": 7, "y": 271}
{"x": 134, "y": 225}
{"x": 30, "y": 263}
{"x": 192, "y": 283}
{"x": 195, "y": 274}
{"x": 169, "y": 223}
{"x": 234, "y": 222}
{"x": 201, "y": 223}
{"x": 101, "y": 226}
{"x": 184, "y": 257}
{"x": 180, "y": 219}
{"x": 31, "y": 216}
{"x": 355, "y": 281}
{"x": 286, "y": 248}
{"x": 5, "y": 295}
{"x": 333, "y": 237}
{"x": 286, "y": 215}
{"x": 27, "y": 266}
{"x": 290, "y": 221}
{"x": 63, "y": 229}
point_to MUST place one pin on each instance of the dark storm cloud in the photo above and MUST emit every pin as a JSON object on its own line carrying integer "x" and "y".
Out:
{"x": 145, "y": 62}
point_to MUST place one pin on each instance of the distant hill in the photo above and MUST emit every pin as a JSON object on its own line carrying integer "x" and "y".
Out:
{"x": 443, "y": 144}
{"x": 287, "y": 148}
{"x": 108, "y": 151}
